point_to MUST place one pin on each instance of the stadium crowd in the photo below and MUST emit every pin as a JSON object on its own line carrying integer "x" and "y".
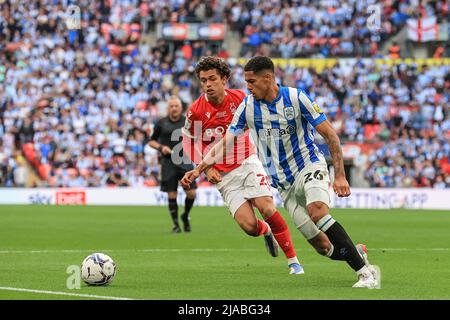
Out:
{"x": 412, "y": 160}
{"x": 300, "y": 28}
{"x": 84, "y": 102}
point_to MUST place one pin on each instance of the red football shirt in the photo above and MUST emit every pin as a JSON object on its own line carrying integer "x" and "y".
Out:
{"x": 206, "y": 124}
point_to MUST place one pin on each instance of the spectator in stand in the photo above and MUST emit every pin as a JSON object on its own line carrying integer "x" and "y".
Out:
{"x": 394, "y": 51}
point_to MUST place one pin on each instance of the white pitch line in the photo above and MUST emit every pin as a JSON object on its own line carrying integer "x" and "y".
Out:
{"x": 196, "y": 250}
{"x": 64, "y": 293}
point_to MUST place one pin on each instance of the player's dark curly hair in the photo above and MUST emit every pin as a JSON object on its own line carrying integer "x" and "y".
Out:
{"x": 210, "y": 63}
{"x": 260, "y": 63}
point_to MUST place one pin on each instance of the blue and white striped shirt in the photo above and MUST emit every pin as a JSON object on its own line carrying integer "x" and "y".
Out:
{"x": 283, "y": 132}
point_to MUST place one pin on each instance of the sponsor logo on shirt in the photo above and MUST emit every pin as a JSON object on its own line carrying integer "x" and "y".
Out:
{"x": 277, "y": 132}
{"x": 217, "y": 131}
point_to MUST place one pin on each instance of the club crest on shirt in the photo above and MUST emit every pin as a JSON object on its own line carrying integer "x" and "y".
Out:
{"x": 289, "y": 113}
{"x": 317, "y": 108}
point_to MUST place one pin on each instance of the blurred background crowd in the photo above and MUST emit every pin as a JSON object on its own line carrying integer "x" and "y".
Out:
{"x": 77, "y": 107}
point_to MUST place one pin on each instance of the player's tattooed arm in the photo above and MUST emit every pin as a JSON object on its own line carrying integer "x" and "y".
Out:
{"x": 334, "y": 145}
{"x": 340, "y": 185}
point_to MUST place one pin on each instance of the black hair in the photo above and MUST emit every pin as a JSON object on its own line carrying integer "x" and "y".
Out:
{"x": 260, "y": 63}
{"x": 211, "y": 63}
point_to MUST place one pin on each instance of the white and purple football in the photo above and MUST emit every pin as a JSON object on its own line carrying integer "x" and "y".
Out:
{"x": 98, "y": 269}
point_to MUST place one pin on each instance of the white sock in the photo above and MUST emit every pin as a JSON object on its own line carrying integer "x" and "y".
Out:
{"x": 268, "y": 228}
{"x": 325, "y": 223}
{"x": 293, "y": 260}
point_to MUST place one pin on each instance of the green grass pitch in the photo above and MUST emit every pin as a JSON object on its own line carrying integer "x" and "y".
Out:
{"x": 216, "y": 260}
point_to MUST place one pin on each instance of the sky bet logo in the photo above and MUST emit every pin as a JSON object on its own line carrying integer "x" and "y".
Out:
{"x": 277, "y": 132}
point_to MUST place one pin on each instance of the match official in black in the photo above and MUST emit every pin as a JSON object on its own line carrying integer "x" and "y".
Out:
{"x": 165, "y": 141}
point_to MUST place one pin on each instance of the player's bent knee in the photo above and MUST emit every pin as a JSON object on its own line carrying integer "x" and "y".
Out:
{"x": 265, "y": 206}
{"x": 317, "y": 210}
{"x": 317, "y": 206}
{"x": 267, "y": 212}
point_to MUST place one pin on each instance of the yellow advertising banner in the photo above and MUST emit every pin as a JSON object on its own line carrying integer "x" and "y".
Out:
{"x": 320, "y": 64}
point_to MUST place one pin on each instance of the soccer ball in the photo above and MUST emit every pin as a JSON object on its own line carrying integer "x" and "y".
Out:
{"x": 98, "y": 269}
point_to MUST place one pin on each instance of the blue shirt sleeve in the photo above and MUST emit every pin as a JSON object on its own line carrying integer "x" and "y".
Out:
{"x": 239, "y": 123}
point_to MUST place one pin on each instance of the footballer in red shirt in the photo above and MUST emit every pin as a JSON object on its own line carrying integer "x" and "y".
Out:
{"x": 209, "y": 122}
{"x": 240, "y": 178}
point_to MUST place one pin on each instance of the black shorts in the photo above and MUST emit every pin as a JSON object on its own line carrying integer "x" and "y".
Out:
{"x": 171, "y": 176}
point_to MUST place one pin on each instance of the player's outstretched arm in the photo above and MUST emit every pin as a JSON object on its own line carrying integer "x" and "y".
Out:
{"x": 340, "y": 185}
{"x": 217, "y": 153}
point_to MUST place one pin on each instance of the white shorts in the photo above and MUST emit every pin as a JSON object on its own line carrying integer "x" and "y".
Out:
{"x": 310, "y": 185}
{"x": 248, "y": 181}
